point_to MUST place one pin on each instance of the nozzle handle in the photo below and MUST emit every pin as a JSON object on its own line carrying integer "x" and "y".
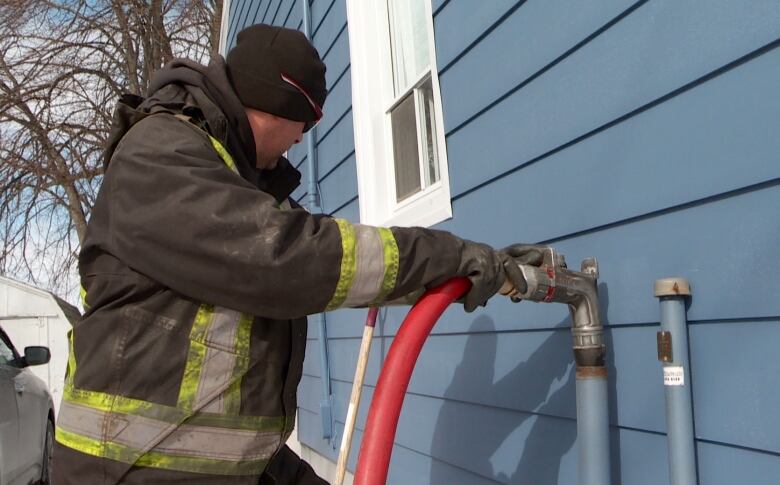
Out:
{"x": 540, "y": 283}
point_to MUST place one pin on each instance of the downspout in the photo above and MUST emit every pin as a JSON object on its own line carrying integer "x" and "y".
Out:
{"x": 313, "y": 202}
{"x": 673, "y": 353}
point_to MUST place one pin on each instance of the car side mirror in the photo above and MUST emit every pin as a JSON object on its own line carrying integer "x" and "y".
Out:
{"x": 36, "y": 355}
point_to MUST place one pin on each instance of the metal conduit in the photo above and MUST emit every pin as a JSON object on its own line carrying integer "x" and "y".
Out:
{"x": 313, "y": 202}
{"x": 673, "y": 353}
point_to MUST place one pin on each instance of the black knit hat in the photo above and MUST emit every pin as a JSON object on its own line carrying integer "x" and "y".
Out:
{"x": 277, "y": 70}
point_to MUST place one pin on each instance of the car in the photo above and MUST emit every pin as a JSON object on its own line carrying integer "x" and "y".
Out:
{"x": 26, "y": 416}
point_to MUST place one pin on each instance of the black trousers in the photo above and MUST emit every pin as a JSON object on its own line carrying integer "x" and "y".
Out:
{"x": 289, "y": 468}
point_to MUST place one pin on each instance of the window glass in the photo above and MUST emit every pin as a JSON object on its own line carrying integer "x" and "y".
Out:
{"x": 405, "y": 152}
{"x": 408, "y": 42}
{"x": 428, "y": 130}
{"x": 6, "y": 354}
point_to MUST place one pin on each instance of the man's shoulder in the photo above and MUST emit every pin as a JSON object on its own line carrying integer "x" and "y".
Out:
{"x": 162, "y": 123}
{"x": 163, "y": 140}
{"x": 167, "y": 132}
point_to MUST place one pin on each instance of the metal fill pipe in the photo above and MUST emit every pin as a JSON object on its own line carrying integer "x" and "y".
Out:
{"x": 553, "y": 282}
{"x": 591, "y": 379}
{"x": 592, "y": 426}
{"x": 313, "y": 199}
{"x": 673, "y": 353}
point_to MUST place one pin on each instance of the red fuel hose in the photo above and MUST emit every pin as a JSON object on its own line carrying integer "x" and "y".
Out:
{"x": 377, "y": 444}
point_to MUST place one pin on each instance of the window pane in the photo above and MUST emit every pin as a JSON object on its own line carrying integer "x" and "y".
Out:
{"x": 407, "y": 162}
{"x": 408, "y": 41}
{"x": 6, "y": 354}
{"x": 430, "y": 149}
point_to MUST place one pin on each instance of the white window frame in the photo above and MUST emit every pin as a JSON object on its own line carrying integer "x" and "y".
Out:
{"x": 223, "y": 28}
{"x": 372, "y": 95}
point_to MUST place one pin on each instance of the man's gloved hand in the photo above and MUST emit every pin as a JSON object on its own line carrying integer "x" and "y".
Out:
{"x": 488, "y": 269}
{"x": 527, "y": 254}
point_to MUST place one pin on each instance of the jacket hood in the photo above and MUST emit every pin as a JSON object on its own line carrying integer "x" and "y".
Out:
{"x": 212, "y": 98}
{"x": 211, "y": 81}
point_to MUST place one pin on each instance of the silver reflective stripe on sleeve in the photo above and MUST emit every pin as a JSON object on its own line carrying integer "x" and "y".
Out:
{"x": 369, "y": 267}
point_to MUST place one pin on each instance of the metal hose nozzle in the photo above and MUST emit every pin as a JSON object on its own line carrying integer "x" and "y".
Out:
{"x": 554, "y": 282}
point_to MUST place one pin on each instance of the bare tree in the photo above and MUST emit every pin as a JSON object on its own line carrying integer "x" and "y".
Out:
{"x": 63, "y": 64}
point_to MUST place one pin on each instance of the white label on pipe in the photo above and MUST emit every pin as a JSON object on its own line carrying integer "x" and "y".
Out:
{"x": 674, "y": 375}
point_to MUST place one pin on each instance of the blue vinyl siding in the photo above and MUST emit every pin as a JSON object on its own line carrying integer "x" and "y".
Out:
{"x": 644, "y": 133}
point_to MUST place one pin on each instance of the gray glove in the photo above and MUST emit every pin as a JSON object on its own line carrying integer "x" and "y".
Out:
{"x": 487, "y": 269}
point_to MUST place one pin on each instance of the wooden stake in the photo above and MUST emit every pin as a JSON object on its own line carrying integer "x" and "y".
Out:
{"x": 354, "y": 399}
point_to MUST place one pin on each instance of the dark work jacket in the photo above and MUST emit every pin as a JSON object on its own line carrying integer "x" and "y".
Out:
{"x": 174, "y": 230}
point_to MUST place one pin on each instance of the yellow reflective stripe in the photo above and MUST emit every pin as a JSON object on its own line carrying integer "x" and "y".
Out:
{"x": 154, "y": 459}
{"x": 83, "y": 294}
{"x": 79, "y": 443}
{"x": 348, "y": 264}
{"x": 71, "y": 360}
{"x": 189, "y": 384}
{"x": 200, "y": 326}
{"x": 244, "y": 334}
{"x": 223, "y": 154}
{"x": 127, "y": 405}
{"x": 254, "y": 423}
{"x": 121, "y": 404}
{"x": 95, "y": 447}
{"x": 211, "y": 466}
{"x": 195, "y": 357}
{"x": 391, "y": 263}
{"x": 233, "y": 394}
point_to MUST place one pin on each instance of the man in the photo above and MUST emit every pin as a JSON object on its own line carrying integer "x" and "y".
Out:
{"x": 198, "y": 273}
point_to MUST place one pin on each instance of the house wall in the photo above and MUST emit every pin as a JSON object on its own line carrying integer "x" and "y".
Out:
{"x": 642, "y": 133}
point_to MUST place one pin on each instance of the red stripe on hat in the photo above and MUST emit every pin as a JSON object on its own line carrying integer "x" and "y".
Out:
{"x": 296, "y": 85}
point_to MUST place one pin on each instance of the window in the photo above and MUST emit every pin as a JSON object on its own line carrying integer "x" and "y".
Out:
{"x": 399, "y": 140}
{"x": 7, "y": 354}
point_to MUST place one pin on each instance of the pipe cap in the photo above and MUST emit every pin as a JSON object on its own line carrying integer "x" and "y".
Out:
{"x": 672, "y": 287}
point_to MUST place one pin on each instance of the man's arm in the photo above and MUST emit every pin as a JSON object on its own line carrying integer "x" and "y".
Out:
{"x": 181, "y": 217}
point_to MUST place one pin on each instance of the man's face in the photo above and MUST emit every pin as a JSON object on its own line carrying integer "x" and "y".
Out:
{"x": 273, "y": 136}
